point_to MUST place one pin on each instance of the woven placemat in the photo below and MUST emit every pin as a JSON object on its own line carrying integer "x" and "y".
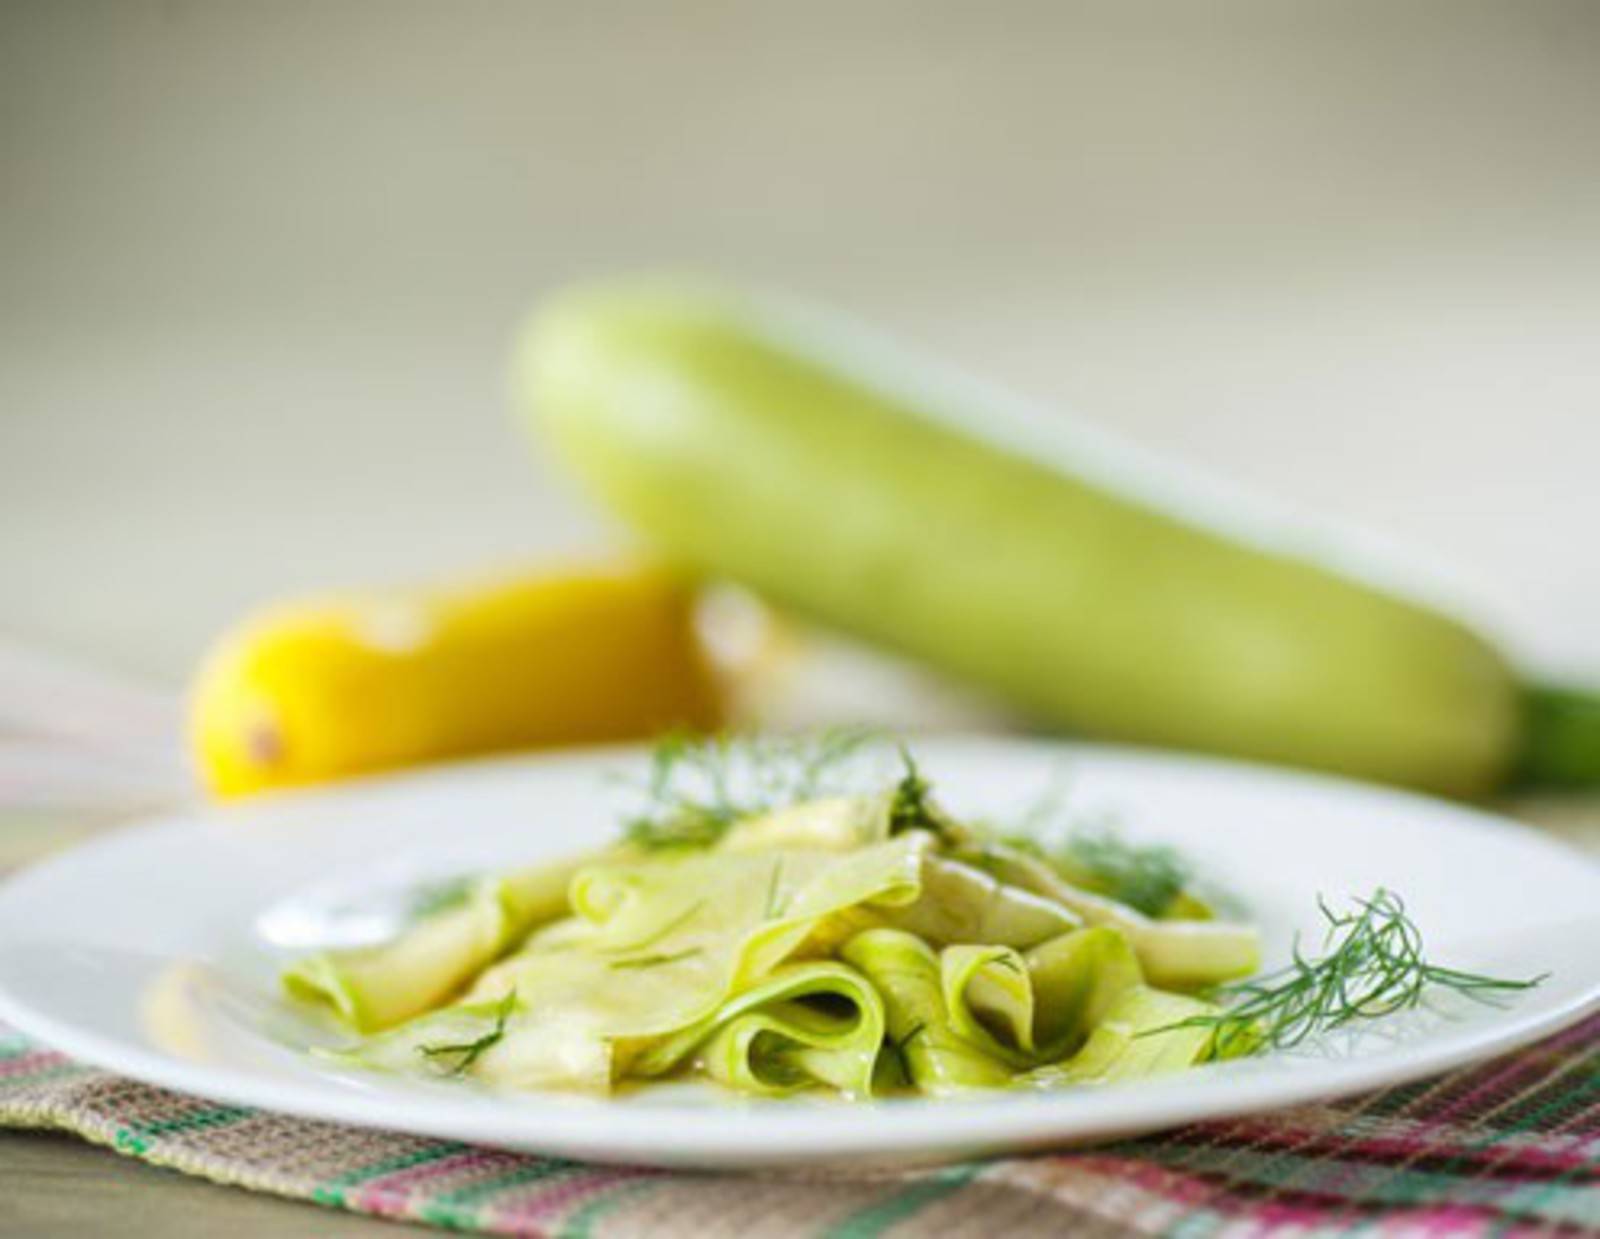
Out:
{"x": 1509, "y": 1147}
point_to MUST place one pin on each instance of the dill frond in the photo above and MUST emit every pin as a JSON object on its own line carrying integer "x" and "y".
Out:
{"x": 774, "y": 887}
{"x": 468, "y": 1052}
{"x": 911, "y": 806}
{"x": 655, "y": 961}
{"x": 1143, "y": 876}
{"x": 432, "y": 898}
{"x": 1091, "y": 853}
{"x": 699, "y": 786}
{"x": 1372, "y": 964}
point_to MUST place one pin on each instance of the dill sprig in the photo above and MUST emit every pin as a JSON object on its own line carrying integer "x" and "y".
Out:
{"x": 911, "y": 805}
{"x": 899, "y": 1046}
{"x": 1372, "y": 965}
{"x": 774, "y": 903}
{"x": 1143, "y": 876}
{"x": 1096, "y": 856}
{"x": 468, "y": 1052}
{"x": 432, "y": 898}
{"x": 699, "y": 786}
{"x": 1147, "y": 877}
{"x": 655, "y": 961}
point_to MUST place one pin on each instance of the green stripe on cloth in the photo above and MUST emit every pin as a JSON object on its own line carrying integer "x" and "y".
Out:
{"x": 333, "y": 1191}
{"x": 211, "y": 1116}
{"x": 517, "y": 1176}
{"x": 582, "y": 1221}
{"x": 878, "y": 1217}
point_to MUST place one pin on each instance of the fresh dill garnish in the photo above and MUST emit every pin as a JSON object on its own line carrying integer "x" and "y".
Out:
{"x": 699, "y": 786}
{"x": 1143, "y": 876}
{"x": 1372, "y": 965}
{"x": 773, "y": 884}
{"x": 468, "y": 1052}
{"x": 911, "y": 806}
{"x": 432, "y": 898}
{"x": 687, "y": 793}
{"x": 655, "y": 936}
{"x": 1094, "y": 855}
{"x": 655, "y": 961}
{"x": 899, "y": 1045}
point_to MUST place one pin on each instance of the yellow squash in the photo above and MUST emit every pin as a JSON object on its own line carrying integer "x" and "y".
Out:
{"x": 341, "y": 685}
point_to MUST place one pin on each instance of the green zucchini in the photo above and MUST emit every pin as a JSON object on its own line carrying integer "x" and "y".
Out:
{"x": 860, "y": 488}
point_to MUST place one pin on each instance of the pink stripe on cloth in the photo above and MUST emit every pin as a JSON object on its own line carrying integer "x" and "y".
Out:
{"x": 1536, "y": 1155}
{"x": 38, "y": 1060}
{"x": 391, "y": 1194}
{"x": 1516, "y": 1064}
{"x": 545, "y": 1202}
{"x": 1174, "y": 1185}
{"x": 1451, "y": 1220}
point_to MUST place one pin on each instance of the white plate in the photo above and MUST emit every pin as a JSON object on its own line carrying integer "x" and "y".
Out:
{"x": 151, "y": 953}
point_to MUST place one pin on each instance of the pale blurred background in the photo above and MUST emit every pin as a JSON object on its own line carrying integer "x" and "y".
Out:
{"x": 259, "y": 264}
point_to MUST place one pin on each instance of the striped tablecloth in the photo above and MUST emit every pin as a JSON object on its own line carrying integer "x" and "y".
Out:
{"x": 1508, "y": 1147}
